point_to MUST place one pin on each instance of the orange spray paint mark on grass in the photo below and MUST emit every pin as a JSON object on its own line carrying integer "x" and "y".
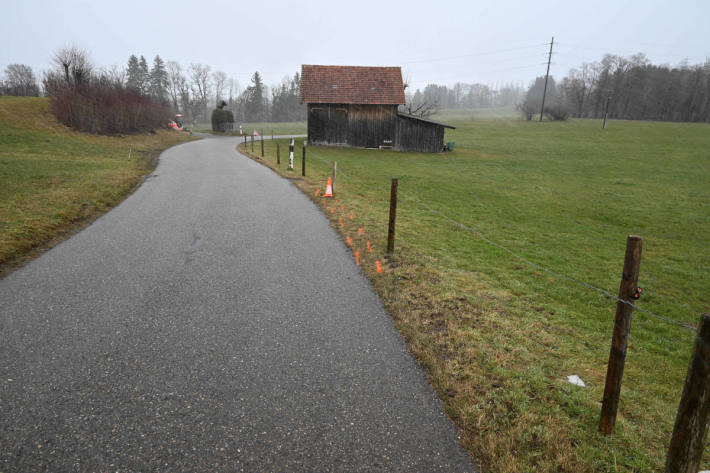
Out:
{"x": 360, "y": 231}
{"x": 369, "y": 247}
{"x": 342, "y": 207}
{"x": 351, "y": 216}
{"x": 317, "y": 192}
{"x": 350, "y": 241}
{"x": 332, "y": 210}
{"x": 357, "y": 258}
{"x": 379, "y": 267}
{"x": 340, "y": 221}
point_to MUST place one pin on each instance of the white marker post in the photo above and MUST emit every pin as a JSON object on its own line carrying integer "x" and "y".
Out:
{"x": 290, "y": 154}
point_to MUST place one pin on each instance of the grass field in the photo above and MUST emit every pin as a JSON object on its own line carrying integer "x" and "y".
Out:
{"x": 497, "y": 336}
{"x": 285, "y": 128}
{"x": 54, "y": 180}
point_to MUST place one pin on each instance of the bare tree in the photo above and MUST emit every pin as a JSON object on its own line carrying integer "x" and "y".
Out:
{"x": 20, "y": 80}
{"x": 201, "y": 86}
{"x": 115, "y": 75}
{"x": 73, "y": 64}
{"x": 176, "y": 83}
{"x": 219, "y": 79}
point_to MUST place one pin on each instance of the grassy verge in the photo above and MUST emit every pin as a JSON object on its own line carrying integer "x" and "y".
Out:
{"x": 498, "y": 337}
{"x": 54, "y": 180}
{"x": 284, "y": 128}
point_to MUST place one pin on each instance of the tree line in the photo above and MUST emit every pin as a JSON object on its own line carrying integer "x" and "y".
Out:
{"x": 461, "y": 96}
{"x": 633, "y": 88}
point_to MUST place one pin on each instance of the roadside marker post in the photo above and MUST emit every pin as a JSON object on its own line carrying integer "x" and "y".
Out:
{"x": 290, "y": 155}
{"x": 303, "y": 161}
{"x": 335, "y": 171}
{"x": 393, "y": 215}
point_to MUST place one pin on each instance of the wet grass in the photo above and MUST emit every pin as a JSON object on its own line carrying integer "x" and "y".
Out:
{"x": 497, "y": 336}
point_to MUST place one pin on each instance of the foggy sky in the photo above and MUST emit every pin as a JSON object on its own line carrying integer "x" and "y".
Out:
{"x": 442, "y": 42}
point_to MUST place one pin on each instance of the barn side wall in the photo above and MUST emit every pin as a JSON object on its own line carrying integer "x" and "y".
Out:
{"x": 417, "y": 135}
{"x": 372, "y": 126}
{"x": 363, "y": 126}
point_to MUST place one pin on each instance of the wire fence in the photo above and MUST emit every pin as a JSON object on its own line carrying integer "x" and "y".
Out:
{"x": 519, "y": 257}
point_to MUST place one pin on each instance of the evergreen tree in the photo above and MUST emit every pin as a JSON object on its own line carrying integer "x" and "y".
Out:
{"x": 133, "y": 74}
{"x": 144, "y": 76}
{"x": 254, "y": 106}
{"x": 158, "y": 80}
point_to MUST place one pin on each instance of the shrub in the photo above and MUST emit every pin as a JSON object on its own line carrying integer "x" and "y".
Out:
{"x": 221, "y": 117}
{"x": 100, "y": 106}
{"x": 556, "y": 113}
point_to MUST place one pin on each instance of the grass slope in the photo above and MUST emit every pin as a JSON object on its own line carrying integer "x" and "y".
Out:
{"x": 497, "y": 336}
{"x": 53, "y": 180}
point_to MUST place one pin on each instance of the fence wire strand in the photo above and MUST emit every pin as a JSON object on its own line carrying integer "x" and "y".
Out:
{"x": 548, "y": 271}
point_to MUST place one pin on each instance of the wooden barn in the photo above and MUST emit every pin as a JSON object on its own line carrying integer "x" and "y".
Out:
{"x": 357, "y": 106}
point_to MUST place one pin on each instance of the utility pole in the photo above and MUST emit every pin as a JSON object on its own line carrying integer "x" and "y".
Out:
{"x": 547, "y": 75}
{"x": 606, "y": 111}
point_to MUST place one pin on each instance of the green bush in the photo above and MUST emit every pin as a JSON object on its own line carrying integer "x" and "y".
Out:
{"x": 220, "y": 117}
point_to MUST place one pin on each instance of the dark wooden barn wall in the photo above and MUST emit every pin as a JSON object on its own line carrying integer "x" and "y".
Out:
{"x": 364, "y": 126}
{"x": 416, "y": 135}
{"x": 371, "y": 126}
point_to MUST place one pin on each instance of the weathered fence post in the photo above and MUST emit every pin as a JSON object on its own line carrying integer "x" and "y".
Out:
{"x": 252, "y": 143}
{"x": 290, "y": 154}
{"x": 278, "y": 153}
{"x": 303, "y": 161}
{"x": 691, "y": 423}
{"x": 393, "y": 215}
{"x": 620, "y": 338}
{"x": 606, "y": 111}
{"x": 245, "y": 142}
{"x": 272, "y": 134}
{"x": 335, "y": 171}
{"x": 262, "y": 146}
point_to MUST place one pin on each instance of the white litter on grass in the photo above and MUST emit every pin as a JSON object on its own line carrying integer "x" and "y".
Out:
{"x": 576, "y": 380}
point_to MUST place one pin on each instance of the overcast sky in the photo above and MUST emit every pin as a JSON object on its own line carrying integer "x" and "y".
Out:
{"x": 442, "y": 42}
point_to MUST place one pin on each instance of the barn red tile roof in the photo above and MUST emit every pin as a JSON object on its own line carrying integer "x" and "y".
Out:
{"x": 352, "y": 84}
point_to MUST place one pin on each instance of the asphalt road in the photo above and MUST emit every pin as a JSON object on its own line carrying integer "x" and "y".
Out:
{"x": 211, "y": 322}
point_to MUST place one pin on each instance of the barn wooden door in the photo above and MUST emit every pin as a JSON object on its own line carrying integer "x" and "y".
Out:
{"x": 339, "y": 124}
{"x": 317, "y": 125}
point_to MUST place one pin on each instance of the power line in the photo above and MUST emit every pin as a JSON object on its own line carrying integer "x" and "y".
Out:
{"x": 484, "y": 53}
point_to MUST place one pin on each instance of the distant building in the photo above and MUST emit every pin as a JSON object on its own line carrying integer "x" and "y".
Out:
{"x": 357, "y": 106}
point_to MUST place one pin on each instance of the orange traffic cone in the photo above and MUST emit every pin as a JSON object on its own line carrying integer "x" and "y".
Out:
{"x": 329, "y": 189}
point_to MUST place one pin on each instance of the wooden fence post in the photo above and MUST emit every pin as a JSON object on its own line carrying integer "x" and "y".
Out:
{"x": 252, "y": 143}
{"x": 620, "y": 338}
{"x": 393, "y": 215}
{"x": 691, "y": 423}
{"x": 278, "y": 153}
{"x": 262, "y": 146}
{"x": 335, "y": 171}
{"x": 303, "y": 161}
